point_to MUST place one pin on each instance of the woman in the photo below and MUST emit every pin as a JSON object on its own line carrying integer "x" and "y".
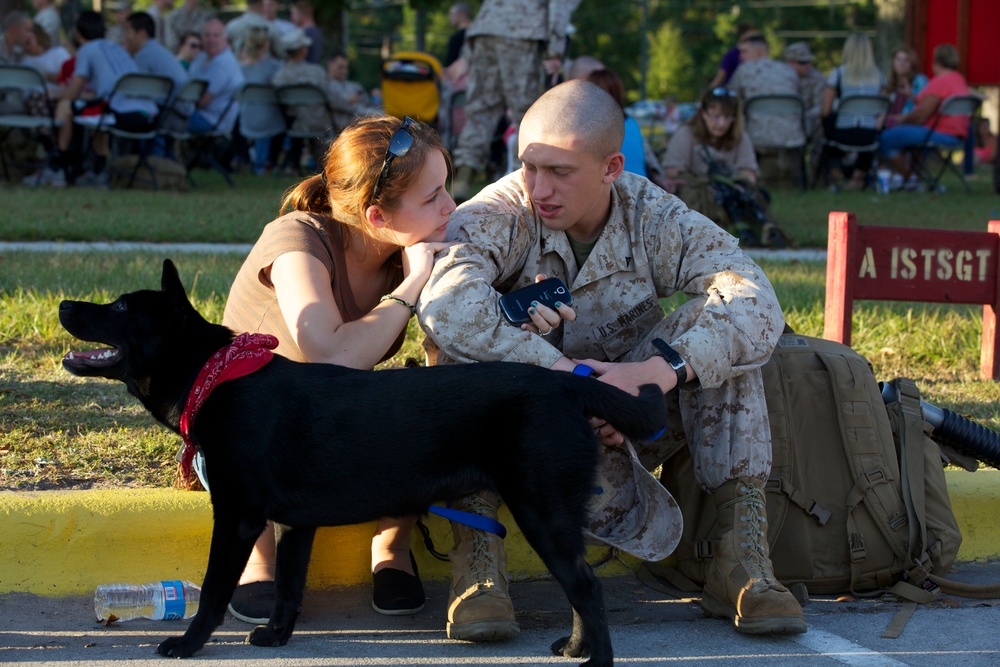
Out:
{"x": 910, "y": 129}
{"x": 335, "y": 279}
{"x": 856, "y": 75}
{"x": 905, "y": 81}
{"x": 639, "y": 156}
{"x": 712, "y": 154}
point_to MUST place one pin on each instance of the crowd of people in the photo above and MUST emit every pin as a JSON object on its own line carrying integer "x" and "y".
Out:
{"x": 82, "y": 66}
{"x": 372, "y": 237}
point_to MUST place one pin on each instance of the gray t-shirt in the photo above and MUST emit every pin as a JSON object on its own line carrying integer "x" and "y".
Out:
{"x": 153, "y": 58}
{"x": 102, "y": 63}
{"x": 225, "y": 78}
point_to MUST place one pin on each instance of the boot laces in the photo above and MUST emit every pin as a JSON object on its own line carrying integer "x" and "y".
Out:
{"x": 754, "y": 522}
{"x": 483, "y": 560}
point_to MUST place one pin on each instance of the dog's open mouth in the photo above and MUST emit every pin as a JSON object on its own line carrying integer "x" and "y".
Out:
{"x": 99, "y": 358}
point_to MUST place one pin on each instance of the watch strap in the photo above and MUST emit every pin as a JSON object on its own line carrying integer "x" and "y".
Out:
{"x": 673, "y": 358}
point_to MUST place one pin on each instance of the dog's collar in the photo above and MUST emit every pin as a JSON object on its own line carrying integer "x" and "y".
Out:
{"x": 247, "y": 353}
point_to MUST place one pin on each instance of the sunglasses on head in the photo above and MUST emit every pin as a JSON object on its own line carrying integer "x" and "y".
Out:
{"x": 399, "y": 145}
{"x": 722, "y": 91}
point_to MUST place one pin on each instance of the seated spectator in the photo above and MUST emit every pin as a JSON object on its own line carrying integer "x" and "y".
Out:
{"x": 905, "y": 82}
{"x": 150, "y": 56}
{"x": 303, "y": 16}
{"x": 260, "y": 67}
{"x": 910, "y": 129}
{"x": 856, "y": 75}
{"x": 41, "y": 55}
{"x": 189, "y": 49}
{"x": 189, "y": 17}
{"x": 47, "y": 17}
{"x": 760, "y": 75}
{"x": 711, "y": 164}
{"x": 313, "y": 118}
{"x": 99, "y": 65}
{"x": 349, "y": 98}
{"x": 986, "y": 142}
{"x": 800, "y": 58}
{"x": 16, "y": 29}
{"x": 731, "y": 60}
{"x": 218, "y": 65}
{"x": 639, "y": 156}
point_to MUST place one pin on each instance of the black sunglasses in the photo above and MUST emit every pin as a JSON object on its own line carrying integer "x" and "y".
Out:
{"x": 399, "y": 145}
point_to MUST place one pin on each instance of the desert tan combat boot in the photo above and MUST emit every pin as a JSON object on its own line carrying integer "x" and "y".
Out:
{"x": 462, "y": 186}
{"x": 740, "y": 583}
{"x": 479, "y": 606}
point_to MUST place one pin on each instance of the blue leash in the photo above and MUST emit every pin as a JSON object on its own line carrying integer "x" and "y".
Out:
{"x": 470, "y": 519}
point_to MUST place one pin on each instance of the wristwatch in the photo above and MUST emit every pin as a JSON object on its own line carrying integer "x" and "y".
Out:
{"x": 672, "y": 357}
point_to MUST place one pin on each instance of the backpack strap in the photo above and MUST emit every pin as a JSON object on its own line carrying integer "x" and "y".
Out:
{"x": 911, "y": 463}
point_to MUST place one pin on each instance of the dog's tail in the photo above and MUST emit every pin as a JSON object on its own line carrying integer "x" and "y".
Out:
{"x": 642, "y": 417}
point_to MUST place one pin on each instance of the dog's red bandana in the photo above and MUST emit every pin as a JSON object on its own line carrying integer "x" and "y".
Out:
{"x": 246, "y": 354}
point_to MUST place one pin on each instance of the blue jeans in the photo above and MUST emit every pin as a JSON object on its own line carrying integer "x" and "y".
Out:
{"x": 198, "y": 123}
{"x": 897, "y": 138}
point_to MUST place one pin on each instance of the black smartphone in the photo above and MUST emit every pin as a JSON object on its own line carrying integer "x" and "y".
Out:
{"x": 514, "y": 305}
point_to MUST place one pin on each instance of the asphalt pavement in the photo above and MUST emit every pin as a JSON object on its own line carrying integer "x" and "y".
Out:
{"x": 648, "y": 627}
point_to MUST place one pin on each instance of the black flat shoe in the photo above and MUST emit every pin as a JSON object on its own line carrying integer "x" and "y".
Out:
{"x": 397, "y": 593}
{"x": 253, "y": 603}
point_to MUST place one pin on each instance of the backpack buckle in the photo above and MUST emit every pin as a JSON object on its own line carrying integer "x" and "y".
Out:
{"x": 858, "y": 552}
{"x": 703, "y": 549}
{"x": 821, "y": 514}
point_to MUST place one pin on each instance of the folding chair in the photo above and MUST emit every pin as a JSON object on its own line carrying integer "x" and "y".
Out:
{"x": 27, "y": 80}
{"x": 790, "y": 106}
{"x": 155, "y": 88}
{"x": 295, "y": 96}
{"x": 298, "y": 98}
{"x": 956, "y": 105}
{"x": 201, "y": 144}
{"x": 267, "y": 119}
{"x": 872, "y": 106}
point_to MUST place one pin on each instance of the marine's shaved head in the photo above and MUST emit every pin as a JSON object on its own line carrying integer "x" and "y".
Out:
{"x": 583, "y": 110}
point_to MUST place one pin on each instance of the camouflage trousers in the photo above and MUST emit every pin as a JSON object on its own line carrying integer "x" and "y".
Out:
{"x": 725, "y": 428}
{"x": 504, "y": 75}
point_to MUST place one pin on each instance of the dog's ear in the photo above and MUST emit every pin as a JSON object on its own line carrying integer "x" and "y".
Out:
{"x": 170, "y": 281}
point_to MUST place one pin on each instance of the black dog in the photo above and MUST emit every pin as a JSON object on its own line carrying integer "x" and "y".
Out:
{"x": 309, "y": 445}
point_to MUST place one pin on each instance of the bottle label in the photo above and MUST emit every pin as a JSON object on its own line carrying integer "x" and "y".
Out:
{"x": 173, "y": 600}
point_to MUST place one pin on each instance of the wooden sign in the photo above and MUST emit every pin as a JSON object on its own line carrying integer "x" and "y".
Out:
{"x": 906, "y": 264}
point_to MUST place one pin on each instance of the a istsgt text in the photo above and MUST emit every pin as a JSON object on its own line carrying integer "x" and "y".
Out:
{"x": 929, "y": 264}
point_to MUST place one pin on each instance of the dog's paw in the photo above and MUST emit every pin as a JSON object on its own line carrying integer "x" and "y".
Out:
{"x": 265, "y": 635}
{"x": 176, "y": 647}
{"x": 570, "y": 647}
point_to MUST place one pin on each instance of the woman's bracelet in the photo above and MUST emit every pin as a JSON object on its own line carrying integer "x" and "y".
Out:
{"x": 393, "y": 297}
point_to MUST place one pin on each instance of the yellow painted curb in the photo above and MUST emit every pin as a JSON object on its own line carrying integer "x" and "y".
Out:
{"x": 59, "y": 543}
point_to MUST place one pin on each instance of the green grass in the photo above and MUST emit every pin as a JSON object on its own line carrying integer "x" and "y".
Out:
{"x": 58, "y": 431}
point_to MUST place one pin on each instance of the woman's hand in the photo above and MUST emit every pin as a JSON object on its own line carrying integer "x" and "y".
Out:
{"x": 545, "y": 319}
{"x": 418, "y": 260}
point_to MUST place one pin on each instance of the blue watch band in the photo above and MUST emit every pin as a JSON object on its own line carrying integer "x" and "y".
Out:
{"x": 583, "y": 369}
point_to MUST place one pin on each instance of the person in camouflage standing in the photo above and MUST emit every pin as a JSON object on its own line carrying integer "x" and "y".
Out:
{"x": 505, "y": 47}
{"x": 621, "y": 244}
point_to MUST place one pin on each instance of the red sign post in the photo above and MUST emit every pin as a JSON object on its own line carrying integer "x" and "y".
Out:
{"x": 905, "y": 264}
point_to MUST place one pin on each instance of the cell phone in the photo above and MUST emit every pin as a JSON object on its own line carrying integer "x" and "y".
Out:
{"x": 514, "y": 305}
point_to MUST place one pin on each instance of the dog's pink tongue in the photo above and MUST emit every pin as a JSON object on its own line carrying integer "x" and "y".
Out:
{"x": 96, "y": 357}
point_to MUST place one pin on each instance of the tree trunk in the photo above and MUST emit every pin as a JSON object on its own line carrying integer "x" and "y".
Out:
{"x": 890, "y": 29}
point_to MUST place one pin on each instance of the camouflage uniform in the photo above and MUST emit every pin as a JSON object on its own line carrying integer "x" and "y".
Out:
{"x": 505, "y": 46}
{"x": 311, "y": 118}
{"x": 651, "y": 247}
{"x": 769, "y": 77}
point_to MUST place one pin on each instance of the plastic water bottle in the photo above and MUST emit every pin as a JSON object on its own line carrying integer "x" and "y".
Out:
{"x": 160, "y": 600}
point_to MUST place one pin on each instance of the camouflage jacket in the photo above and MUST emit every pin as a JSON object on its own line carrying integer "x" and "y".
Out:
{"x": 651, "y": 247}
{"x": 534, "y": 20}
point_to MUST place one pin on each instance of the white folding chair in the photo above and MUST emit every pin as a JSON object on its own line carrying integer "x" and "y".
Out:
{"x": 26, "y": 81}
{"x": 201, "y": 145}
{"x": 265, "y": 118}
{"x": 793, "y": 109}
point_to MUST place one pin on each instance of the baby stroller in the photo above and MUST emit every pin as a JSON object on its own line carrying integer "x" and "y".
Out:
{"x": 411, "y": 86}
